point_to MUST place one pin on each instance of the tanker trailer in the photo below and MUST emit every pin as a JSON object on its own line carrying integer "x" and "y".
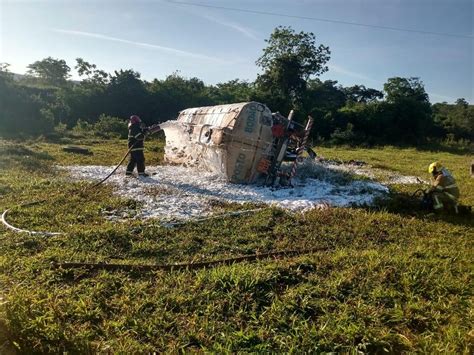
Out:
{"x": 243, "y": 142}
{"x": 231, "y": 140}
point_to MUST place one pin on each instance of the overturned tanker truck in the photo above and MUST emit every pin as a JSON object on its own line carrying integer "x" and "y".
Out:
{"x": 243, "y": 142}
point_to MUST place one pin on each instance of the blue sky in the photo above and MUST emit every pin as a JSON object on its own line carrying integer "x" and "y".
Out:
{"x": 159, "y": 37}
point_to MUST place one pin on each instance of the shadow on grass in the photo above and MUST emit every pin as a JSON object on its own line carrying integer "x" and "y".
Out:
{"x": 405, "y": 204}
{"x": 12, "y": 155}
{"x": 7, "y": 346}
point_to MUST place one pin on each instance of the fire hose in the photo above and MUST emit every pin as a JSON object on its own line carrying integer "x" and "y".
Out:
{"x": 185, "y": 266}
{"x": 115, "y": 169}
{"x": 20, "y": 230}
{"x": 151, "y": 267}
{"x": 154, "y": 267}
{"x": 46, "y": 233}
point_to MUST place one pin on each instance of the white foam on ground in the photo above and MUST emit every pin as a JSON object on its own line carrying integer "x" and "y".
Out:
{"x": 177, "y": 192}
{"x": 387, "y": 177}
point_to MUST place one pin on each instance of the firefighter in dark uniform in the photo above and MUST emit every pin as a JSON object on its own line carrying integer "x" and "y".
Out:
{"x": 136, "y": 136}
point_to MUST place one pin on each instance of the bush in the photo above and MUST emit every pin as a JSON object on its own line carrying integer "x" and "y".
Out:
{"x": 111, "y": 127}
{"x": 106, "y": 126}
{"x": 83, "y": 126}
{"x": 347, "y": 136}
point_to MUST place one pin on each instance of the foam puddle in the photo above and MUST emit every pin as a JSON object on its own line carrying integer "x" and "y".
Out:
{"x": 181, "y": 193}
{"x": 385, "y": 176}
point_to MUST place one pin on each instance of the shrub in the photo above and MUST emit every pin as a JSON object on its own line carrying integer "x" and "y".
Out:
{"x": 109, "y": 126}
{"x": 106, "y": 126}
{"x": 347, "y": 136}
{"x": 82, "y": 126}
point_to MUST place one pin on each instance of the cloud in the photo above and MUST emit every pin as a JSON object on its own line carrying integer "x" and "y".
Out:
{"x": 141, "y": 44}
{"x": 220, "y": 20}
{"x": 341, "y": 70}
{"x": 235, "y": 26}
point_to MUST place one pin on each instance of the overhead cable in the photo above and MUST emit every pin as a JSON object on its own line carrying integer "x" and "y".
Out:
{"x": 319, "y": 19}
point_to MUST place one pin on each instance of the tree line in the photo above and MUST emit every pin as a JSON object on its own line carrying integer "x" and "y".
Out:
{"x": 45, "y": 99}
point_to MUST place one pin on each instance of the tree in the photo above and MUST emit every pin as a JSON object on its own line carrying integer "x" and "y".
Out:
{"x": 126, "y": 95}
{"x": 176, "y": 93}
{"x": 289, "y": 61}
{"x": 51, "y": 71}
{"x": 462, "y": 102}
{"x": 231, "y": 91}
{"x": 397, "y": 88}
{"x": 454, "y": 121}
{"x": 460, "y": 120}
{"x": 21, "y": 111}
{"x": 361, "y": 94}
{"x": 85, "y": 100}
{"x": 93, "y": 75}
{"x": 5, "y": 73}
{"x": 324, "y": 95}
{"x": 4, "y": 68}
{"x": 407, "y": 111}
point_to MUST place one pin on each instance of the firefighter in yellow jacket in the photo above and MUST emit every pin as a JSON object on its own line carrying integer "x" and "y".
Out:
{"x": 444, "y": 191}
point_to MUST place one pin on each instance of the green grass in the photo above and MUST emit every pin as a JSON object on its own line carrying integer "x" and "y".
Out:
{"x": 389, "y": 279}
{"x": 410, "y": 161}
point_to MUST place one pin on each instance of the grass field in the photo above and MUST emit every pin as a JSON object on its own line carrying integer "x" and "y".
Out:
{"x": 387, "y": 279}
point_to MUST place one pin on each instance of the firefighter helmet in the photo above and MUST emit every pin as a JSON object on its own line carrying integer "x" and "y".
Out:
{"x": 435, "y": 167}
{"x": 135, "y": 119}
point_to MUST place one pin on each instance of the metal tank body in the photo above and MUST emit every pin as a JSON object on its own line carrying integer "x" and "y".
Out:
{"x": 227, "y": 139}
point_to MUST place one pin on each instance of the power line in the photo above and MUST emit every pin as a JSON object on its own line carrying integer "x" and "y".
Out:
{"x": 267, "y": 13}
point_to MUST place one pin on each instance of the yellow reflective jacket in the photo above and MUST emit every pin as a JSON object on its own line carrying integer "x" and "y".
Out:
{"x": 446, "y": 184}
